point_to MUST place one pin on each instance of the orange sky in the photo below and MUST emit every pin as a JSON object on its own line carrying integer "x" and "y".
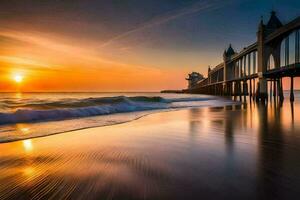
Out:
{"x": 59, "y": 46}
{"x": 55, "y": 64}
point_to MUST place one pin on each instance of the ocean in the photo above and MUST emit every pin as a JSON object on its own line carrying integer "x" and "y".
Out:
{"x": 29, "y": 115}
{"x": 148, "y": 146}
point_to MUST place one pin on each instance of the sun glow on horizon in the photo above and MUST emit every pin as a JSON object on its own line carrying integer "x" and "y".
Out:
{"x": 18, "y": 78}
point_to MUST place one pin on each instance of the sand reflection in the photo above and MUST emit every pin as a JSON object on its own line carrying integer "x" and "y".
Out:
{"x": 27, "y": 144}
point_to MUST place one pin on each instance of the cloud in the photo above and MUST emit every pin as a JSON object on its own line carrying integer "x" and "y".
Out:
{"x": 59, "y": 50}
{"x": 173, "y": 15}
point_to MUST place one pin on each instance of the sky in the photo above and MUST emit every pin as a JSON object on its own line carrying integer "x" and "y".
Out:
{"x": 123, "y": 45}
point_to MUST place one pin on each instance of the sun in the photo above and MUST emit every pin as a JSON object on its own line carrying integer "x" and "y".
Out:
{"x": 18, "y": 78}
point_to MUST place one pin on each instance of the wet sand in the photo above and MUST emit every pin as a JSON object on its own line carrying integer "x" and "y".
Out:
{"x": 235, "y": 152}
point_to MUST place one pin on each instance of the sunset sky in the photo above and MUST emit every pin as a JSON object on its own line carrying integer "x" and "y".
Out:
{"x": 122, "y": 45}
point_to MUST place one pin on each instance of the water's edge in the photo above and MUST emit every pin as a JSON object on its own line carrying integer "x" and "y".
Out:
{"x": 10, "y": 140}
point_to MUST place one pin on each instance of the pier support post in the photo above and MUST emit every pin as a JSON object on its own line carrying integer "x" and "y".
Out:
{"x": 225, "y": 89}
{"x": 292, "y": 90}
{"x": 271, "y": 92}
{"x": 235, "y": 89}
{"x": 245, "y": 88}
{"x": 274, "y": 88}
{"x": 257, "y": 92}
{"x": 240, "y": 90}
{"x": 216, "y": 89}
{"x": 263, "y": 89}
{"x": 230, "y": 88}
{"x": 278, "y": 87}
{"x": 281, "y": 97}
{"x": 221, "y": 89}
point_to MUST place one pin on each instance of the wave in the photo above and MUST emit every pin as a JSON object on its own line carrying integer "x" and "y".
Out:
{"x": 37, "y": 111}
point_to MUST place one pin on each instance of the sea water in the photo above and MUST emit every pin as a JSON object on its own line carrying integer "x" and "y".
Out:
{"x": 28, "y": 115}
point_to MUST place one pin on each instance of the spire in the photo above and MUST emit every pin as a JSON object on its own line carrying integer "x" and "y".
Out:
{"x": 261, "y": 23}
{"x": 224, "y": 53}
{"x": 273, "y": 23}
{"x": 230, "y": 51}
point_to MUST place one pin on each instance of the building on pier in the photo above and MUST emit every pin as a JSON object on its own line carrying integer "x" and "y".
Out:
{"x": 193, "y": 79}
{"x": 260, "y": 66}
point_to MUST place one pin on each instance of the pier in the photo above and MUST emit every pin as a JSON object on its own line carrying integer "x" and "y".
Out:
{"x": 257, "y": 70}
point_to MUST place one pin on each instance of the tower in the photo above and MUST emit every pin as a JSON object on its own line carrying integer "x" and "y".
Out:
{"x": 263, "y": 31}
{"x": 228, "y": 53}
{"x": 262, "y": 84}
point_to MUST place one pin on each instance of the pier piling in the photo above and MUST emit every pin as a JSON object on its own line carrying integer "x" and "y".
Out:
{"x": 274, "y": 89}
{"x": 292, "y": 90}
{"x": 271, "y": 92}
{"x": 281, "y": 90}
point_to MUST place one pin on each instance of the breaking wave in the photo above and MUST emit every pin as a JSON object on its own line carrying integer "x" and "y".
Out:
{"x": 45, "y": 110}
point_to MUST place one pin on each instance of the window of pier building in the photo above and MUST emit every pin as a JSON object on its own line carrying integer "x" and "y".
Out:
{"x": 289, "y": 49}
{"x": 247, "y": 65}
{"x": 234, "y": 70}
{"x": 251, "y": 63}
{"x": 244, "y": 66}
{"x": 283, "y": 60}
{"x": 292, "y": 48}
{"x": 255, "y": 62}
{"x": 237, "y": 69}
{"x": 271, "y": 63}
{"x": 241, "y": 67}
{"x": 297, "y": 50}
{"x": 221, "y": 75}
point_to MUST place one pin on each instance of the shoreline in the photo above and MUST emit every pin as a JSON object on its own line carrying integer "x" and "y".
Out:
{"x": 151, "y": 112}
{"x": 160, "y": 155}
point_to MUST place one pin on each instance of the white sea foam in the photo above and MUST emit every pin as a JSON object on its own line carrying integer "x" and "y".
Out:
{"x": 70, "y": 108}
{"x": 45, "y": 117}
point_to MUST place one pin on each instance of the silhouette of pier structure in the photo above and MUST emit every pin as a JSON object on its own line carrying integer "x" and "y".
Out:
{"x": 257, "y": 70}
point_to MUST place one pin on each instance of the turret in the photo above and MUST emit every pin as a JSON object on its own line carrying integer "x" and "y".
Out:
{"x": 273, "y": 24}
{"x": 261, "y": 34}
{"x": 228, "y": 53}
{"x": 261, "y": 26}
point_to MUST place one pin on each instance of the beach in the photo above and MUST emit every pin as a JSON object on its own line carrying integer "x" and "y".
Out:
{"x": 242, "y": 151}
{"x": 149, "y": 100}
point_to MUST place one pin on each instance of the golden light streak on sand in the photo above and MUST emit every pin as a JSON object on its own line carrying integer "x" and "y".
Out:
{"x": 25, "y": 130}
{"x": 27, "y": 144}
